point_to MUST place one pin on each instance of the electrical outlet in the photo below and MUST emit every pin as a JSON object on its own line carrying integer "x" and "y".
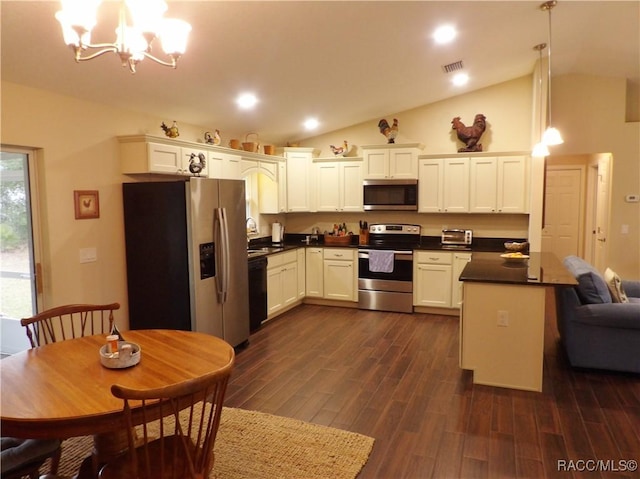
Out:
{"x": 503, "y": 318}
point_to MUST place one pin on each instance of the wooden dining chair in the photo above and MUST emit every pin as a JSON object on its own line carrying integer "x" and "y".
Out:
{"x": 179, "y": 446}
{"x": 68, "y": 322}
{"x": 23, "y": 457}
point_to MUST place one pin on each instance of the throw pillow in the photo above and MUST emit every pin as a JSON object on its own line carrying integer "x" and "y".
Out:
{"x": 615, "y": 286}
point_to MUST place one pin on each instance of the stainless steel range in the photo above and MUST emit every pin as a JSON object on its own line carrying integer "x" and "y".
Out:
{"x": 385, "y": 268}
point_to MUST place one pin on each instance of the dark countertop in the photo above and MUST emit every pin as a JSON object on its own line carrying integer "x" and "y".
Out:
{"x": 430, "y": 243}
{"x": 541, "y": 269}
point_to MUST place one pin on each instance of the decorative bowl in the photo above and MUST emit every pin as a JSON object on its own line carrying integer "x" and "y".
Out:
{"x": 128, "y": 355}
{"x": 515, "y": 246}
{"x": 516, "y": 257}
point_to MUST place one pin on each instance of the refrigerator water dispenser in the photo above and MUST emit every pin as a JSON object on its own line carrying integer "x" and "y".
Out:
{"x": 207, "y": 260}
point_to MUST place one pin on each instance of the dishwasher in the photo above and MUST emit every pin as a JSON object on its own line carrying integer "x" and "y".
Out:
{"x": 257, "y": 292}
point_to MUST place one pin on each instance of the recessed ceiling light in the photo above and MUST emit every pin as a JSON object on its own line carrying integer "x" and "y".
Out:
{"x": 444, "y": 34}
{"x": 311, "y": 123}
{"x": 460, "y": 79}
{"x": 246, "y": 101}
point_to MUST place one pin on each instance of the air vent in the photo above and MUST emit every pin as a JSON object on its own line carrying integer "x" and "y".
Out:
{"x": 453, "y": 67}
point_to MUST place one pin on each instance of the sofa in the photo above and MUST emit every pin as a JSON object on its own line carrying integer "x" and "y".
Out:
{"x": 596, "y": 330}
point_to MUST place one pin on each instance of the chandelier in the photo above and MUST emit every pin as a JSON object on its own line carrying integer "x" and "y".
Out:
{"x": 133, "y": 42}
{"x": 551, "y": 136}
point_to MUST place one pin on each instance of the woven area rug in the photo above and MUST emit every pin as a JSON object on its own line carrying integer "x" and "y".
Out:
{"x": 255, "y": 445}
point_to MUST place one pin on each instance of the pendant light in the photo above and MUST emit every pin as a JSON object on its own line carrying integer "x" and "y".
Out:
{"x": 551, "y": 136}
{"x": 540, "y": 149}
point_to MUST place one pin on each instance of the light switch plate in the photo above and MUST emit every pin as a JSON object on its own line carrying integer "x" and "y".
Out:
{"x": 88, "y": 255}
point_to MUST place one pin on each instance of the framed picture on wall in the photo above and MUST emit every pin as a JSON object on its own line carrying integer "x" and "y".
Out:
{"x": 87, "y": 204}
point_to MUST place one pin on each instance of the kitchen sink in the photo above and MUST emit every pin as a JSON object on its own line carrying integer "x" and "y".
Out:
{"x": 264, "y": 250}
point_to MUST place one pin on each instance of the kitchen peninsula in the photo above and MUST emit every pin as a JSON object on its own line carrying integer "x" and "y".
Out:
{"x": 502, "y": 317}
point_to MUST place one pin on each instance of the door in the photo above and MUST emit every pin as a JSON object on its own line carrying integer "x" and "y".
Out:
{"x": 600, "y": 255}
{"x": 20, "y": 271}
{"x": 563, "y": 211}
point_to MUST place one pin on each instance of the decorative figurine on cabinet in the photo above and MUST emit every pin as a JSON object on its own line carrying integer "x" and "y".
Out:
{"x": 171, "y": 132}
{"x": 340, "y": 150}
{"x": 389, "y": 132}
{"x": 196, "y": 168}
{"x": 212, "y": 140}
{"x": 470, "y": 135}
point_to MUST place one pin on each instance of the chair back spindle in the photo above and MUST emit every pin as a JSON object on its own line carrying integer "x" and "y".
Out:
{"x": 171, "y": 430}
{"x": 68, "y": 322}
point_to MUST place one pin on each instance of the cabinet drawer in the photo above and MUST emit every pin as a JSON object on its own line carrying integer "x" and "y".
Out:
{"x": 433, "y": 257}
{"x": 339, "y": 253}
{"x": 281, "y": 259}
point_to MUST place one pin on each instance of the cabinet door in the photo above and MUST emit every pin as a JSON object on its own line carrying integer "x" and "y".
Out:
{"x": 275, "y": 291}
{"x": 483, "y": 185}
{"x": 512, "y": 184}
{"x": 351, "y": 186}
{"x": 376, "y": 164}
{"x": 301, "y": 273}
{"x": 460, "y": 260}
{"x": 328, "y": 186}
{"x": 403, "y": 163}
{"x": 432, "y": 285}
{"x": 456, "y": 185}
{"x": 338, "y": 280}
{"x": 290, "y": 283}
{"x": 164, "y": 158}
{"x": 282, "y": 187}
{"x": 314, "y": 272}
{"x": 430, "y": 186}
{"x": 232, "y": 168}
{"x": 298, "y": 182}
{"x": 223, "y": 165}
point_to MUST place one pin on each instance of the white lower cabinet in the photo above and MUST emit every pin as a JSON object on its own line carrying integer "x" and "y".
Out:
{"x": 314, "y": 273}
{"x": 432, "y": 279}
{"x": 460, "y": 260}
{"x": 435, "y": 277}
{"x": 340, "y": 274}
{"x": 282, "y": 281}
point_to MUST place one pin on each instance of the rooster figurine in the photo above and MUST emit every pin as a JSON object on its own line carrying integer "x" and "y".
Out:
{"x": 196, "y": 168}
{"x": 389, "y": 132}
{"x": 470, "y": 135}
{"x": 171, "y": 132}
{"x": 340, "y": 150}
{"x": 212, "y": 140}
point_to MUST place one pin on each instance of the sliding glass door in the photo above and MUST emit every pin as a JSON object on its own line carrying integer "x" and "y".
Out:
{"x": 19, "y": 262}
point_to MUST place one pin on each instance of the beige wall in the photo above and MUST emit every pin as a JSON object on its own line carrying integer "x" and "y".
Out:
{"x": 590, "y": 112}
{"x": 78, "y": 150}
{"x": 507, "y": 107}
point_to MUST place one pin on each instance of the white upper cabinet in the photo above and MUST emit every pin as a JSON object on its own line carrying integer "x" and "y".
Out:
{"x": 339, "y": 185}
{"x": 300, "y": 185}
{"x": 224, "y": 165}
{"x": 479, "y": 184}
{"x": 149, "y": 157}
{"x": 391, "y": 161}
{"x": 513, "y": 184}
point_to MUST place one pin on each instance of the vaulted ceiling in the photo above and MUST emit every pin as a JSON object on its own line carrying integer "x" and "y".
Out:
{"x": 338, "y": 61}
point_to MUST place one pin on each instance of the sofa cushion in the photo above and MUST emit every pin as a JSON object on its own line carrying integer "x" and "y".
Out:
{"x": 614, "y": 283}
{"x": 592, "y": 287}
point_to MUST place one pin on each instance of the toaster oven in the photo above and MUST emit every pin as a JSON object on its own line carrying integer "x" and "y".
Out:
{"x": 456, "y": 238}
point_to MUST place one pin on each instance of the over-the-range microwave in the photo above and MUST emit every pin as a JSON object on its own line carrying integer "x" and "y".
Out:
{"x": 400, "y": 195}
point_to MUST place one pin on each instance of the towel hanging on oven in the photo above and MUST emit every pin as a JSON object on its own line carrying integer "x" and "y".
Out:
{"x": 381, "y": 261}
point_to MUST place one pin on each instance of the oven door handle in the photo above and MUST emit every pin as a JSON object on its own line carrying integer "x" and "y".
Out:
{"x": 398, "y": 255}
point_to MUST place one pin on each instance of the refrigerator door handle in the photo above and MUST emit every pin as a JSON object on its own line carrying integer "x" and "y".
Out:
{"x": 226, "y": 256}
{"x": 219, "y": 238}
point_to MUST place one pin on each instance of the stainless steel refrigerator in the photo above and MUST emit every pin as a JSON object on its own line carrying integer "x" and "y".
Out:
{"x": 186, "y": 250}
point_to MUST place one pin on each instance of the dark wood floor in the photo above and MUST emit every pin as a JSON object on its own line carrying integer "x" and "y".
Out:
{"x": 395, "y": 377}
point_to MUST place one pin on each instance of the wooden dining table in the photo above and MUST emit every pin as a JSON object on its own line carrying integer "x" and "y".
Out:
{"x": 62, "y": 390}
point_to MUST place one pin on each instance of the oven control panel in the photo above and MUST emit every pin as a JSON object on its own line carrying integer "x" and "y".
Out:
{"x": 394, "y": 229}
